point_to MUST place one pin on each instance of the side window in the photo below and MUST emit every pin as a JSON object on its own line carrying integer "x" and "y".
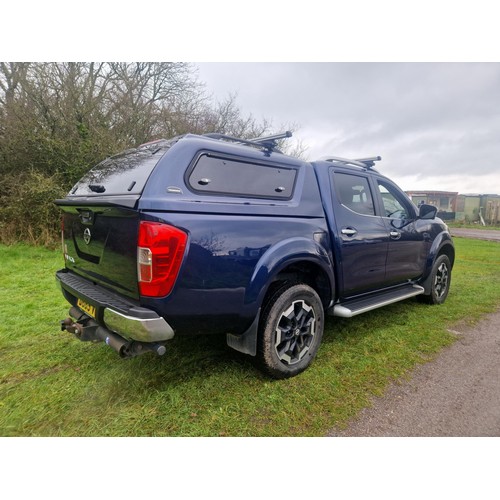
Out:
{"x": 354, "y": 193}
{"x": 394, "y": 206}
{"x": 227, "y": 176}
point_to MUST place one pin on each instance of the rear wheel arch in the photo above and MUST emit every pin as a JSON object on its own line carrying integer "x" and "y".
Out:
{"x": 297, "y": 258}
{"x": 305, "y": 272}
{"x": 299, "y": 272}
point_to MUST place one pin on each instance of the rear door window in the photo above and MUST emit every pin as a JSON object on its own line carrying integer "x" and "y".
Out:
{"x": 228, "y": 176}
{"x": 354, "y": 193}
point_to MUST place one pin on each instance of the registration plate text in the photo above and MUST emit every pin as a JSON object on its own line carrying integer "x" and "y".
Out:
{"x": 86, "y": 308}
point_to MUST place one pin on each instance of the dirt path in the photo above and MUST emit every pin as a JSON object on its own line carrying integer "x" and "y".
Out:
{"x": 478, "y": 234}
{"x": 458, "y": 394}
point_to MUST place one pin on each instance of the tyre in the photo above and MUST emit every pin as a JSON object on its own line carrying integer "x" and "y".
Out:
{"x": 290, "y": 330}
{"x": 440, "y": 280}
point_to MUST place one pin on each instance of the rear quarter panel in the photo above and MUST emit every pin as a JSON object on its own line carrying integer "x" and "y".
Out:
{"x": 221, "y": 283}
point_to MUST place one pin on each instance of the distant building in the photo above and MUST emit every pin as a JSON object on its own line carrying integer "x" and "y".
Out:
{"x": 461, "y": 207}
{"x": 445, "y": 201}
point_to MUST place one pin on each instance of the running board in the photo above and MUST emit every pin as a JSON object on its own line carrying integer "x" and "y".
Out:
{"x": 354, "y": 307}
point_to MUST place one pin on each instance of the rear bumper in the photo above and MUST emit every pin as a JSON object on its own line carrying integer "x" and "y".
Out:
{"x": 116, "y": 313}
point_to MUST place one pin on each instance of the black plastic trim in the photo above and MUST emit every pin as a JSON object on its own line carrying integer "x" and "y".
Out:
{"x": 77, "y": 287}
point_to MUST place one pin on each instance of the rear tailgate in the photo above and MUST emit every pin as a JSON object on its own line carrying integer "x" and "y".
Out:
{"x": 100, "y": 223}
{"x": 100, "y": 244}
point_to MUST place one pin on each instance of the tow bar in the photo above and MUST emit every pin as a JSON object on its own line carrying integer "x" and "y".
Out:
{"x": 86, "y": 329}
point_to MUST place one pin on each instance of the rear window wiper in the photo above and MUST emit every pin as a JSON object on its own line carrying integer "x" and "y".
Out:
{"x": 97, "y": 188}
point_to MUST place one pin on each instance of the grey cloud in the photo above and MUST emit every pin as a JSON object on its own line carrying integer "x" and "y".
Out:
{"x": 423, "y": 118}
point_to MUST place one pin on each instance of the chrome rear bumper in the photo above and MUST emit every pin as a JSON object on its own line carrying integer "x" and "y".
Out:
{"x": 130, "y": 327}
{"x": 116, "y": 313}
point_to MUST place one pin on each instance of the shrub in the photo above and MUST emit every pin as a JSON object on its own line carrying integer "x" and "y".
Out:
{"x": 27, "y": 210}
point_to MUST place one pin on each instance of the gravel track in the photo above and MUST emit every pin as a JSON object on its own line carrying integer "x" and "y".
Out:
{"x": 478, "y": 234}
{"x": 457, "y": 394}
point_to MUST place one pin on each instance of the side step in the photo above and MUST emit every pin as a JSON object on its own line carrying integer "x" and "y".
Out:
{"x": 354, "y": 307}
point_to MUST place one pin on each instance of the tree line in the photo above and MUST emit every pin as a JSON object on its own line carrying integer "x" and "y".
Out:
{"x": 59, "y": 119}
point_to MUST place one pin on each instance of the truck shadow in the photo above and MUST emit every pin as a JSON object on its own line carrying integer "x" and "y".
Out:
{"x": 208, "y": 357}
{"x": 192, "y": 357}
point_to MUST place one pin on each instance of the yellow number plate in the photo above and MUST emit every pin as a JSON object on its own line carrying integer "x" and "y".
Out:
{"x": 87, "y": 308}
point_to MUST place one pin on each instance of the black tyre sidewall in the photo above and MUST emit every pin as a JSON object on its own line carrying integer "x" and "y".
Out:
{"x": 275, "y": 307}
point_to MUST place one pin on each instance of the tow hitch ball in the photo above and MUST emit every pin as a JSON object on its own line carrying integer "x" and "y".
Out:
{"x": 70, "y": 326}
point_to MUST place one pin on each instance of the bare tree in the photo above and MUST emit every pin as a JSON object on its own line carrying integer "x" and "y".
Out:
{"x": 59, "y": 119}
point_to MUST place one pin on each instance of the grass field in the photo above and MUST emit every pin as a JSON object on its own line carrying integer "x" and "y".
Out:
{"x": 53, "y": 385}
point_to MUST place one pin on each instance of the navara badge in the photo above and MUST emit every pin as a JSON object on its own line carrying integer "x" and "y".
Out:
{"x": 87, "y": 236}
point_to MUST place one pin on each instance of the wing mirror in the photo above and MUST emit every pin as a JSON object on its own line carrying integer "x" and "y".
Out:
{"x": 427, "y": 211}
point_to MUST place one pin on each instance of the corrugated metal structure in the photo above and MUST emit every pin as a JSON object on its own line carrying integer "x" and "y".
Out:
{"x": 491, "y": 208}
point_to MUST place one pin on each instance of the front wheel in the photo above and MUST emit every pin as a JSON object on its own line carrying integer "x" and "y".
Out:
{"x": 290, "y": 330}
{"x": 440, "y": 280}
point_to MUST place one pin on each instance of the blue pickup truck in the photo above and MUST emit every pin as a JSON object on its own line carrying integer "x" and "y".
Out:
{"x": 211, "y": 234}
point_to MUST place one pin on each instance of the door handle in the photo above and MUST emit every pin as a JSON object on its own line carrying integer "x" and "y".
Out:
{"x": 395, "y": 235}
{"x": 348, "y": 231}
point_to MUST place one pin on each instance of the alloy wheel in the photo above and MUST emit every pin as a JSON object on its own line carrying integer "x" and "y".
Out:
{"x": 295, "y": 332}
{"x": 441, "y": 280}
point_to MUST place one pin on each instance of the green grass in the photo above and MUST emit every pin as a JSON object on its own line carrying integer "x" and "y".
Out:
{"x": 53, "y": 385}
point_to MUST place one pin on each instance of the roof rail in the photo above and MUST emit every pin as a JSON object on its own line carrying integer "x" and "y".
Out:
{"x": 269, "y": 143}
{"x": 359, "y": 162}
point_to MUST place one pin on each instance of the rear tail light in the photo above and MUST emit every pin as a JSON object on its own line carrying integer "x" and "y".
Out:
{"x": 160, "y": 252}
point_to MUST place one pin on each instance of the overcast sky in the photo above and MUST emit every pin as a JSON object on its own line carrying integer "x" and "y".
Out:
{"x": 436, "y": 125}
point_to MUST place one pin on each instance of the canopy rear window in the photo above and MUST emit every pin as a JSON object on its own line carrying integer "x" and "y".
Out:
{"x": 122, "y": 174}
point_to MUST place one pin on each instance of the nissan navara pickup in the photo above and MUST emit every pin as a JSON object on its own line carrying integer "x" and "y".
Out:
{"x": 211, "y": 234}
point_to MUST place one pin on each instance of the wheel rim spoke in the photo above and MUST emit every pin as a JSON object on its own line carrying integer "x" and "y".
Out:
{"x": 441, "y": 280}
{"x": 295, "y": 332}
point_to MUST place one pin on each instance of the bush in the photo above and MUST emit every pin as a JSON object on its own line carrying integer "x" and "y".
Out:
{"x": 27, "y": 210}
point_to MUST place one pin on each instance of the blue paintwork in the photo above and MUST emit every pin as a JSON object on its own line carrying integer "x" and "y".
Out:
{"x": 282, "y": 254}
{"x": 229, "y": 265}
